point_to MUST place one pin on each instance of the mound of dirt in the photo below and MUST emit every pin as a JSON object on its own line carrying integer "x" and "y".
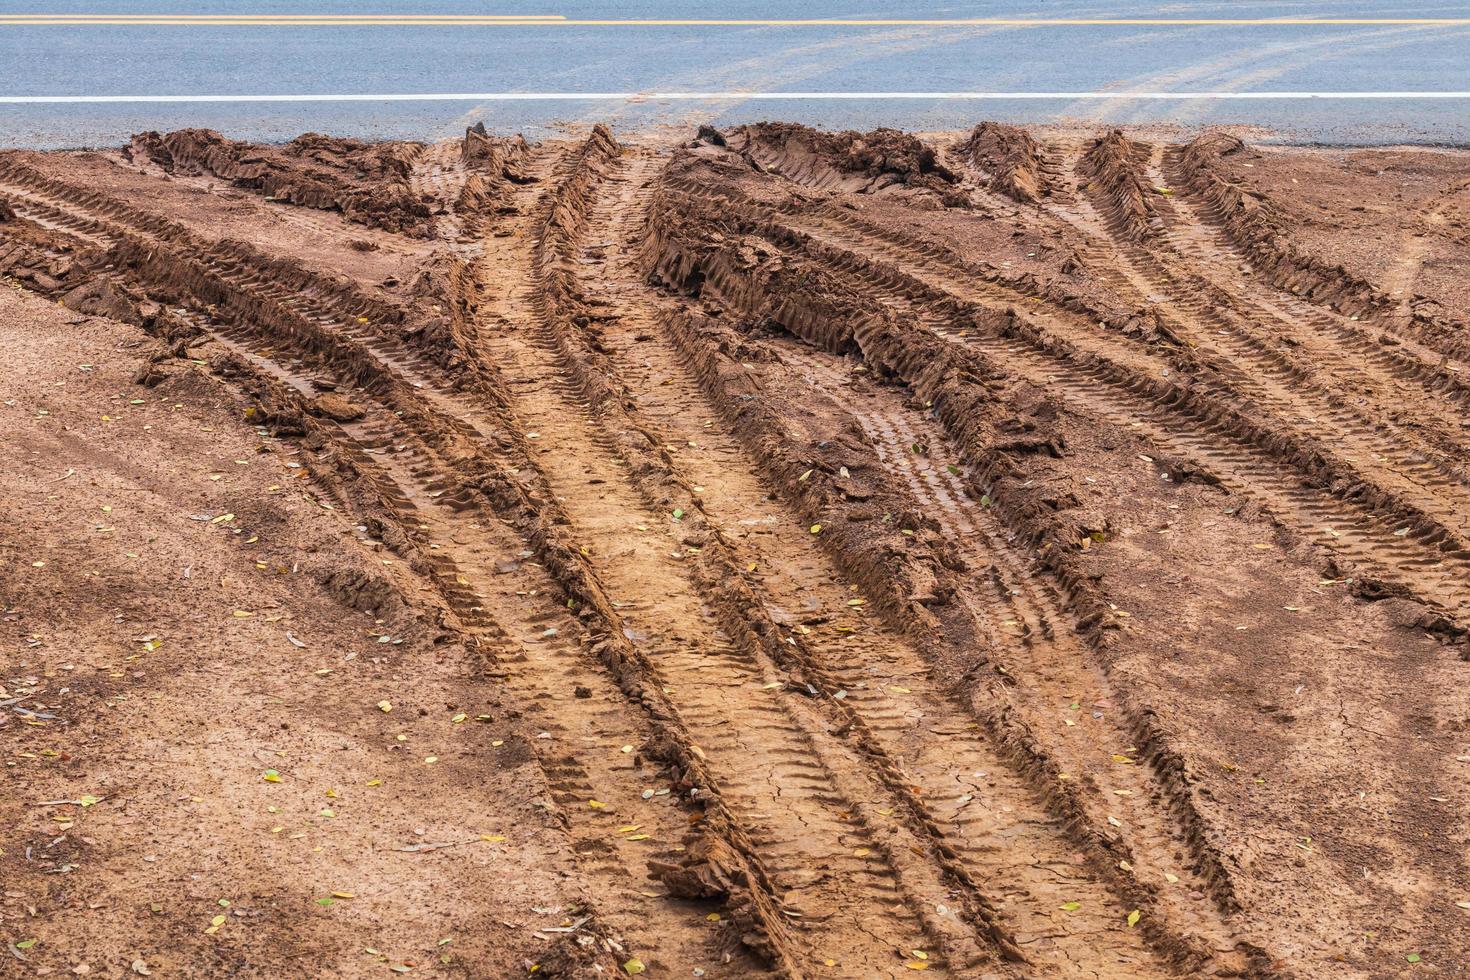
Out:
{"x": 495, "y": 166}
{"x": 367, "y": 182}
{"x": 1111, "y": 164}
{"x": 1008, "y": 159}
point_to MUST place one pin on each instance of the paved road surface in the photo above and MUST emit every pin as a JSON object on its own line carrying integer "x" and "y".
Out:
{"x": 280, "y": 55}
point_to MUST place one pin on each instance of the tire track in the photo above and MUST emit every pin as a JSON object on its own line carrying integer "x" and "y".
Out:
{"x": 1049, "y": 670}
{"x": 1397, "y": 359}
{"x": 1391, "y": 542}
{"x": 449, "y": 419}
{"x": 804, "y": 590}
{"x": 1328, "y": 406}
{"x": 806, "y": 799}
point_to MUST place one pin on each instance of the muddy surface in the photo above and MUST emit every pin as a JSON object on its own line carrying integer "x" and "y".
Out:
{"x": 767, "y": 552}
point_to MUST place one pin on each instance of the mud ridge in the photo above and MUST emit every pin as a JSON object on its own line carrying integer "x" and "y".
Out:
{"x": 884, "y": 160}
{"x": 1008, "y": 160}
{"x": 495, "y": 166}
{"x": 1109, "y": 166}
{"x": 366, "y": 182}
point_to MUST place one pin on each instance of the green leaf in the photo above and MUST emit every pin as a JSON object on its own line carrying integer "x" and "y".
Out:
{"x": 324, "y": 901}
{"x": 1412, "y": 957}
{"x": 678, "y": 515}
{"x": 26, "y": 943}
{"x": 1071, "y": 906}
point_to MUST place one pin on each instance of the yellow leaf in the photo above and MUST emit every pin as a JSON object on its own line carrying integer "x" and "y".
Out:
{"x": 816, "y": 529}
{"x": 1133, "y": 918}
{"x": 493, "y": 838}
{"x": 634, "y": 966}
{"x": 343, "y": 895}
{"x": 1071, "y": 906}
{"x": 916, "y": 964}
{"x": 385, "y": 706}
{"x": 637, "y": 837}
{"x": 596, "y": 804}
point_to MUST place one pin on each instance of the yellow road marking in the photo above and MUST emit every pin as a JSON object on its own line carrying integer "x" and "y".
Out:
{"x": 557, "y": 20}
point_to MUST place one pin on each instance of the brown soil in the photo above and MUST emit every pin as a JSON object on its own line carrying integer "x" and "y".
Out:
{"x": 783, "y": 553}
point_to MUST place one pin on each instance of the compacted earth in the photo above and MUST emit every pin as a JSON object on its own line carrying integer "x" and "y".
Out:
{"x": 766, "y": 552}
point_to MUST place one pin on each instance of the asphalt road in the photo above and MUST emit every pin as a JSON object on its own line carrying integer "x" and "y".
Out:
{"x": 1151, "y": 72}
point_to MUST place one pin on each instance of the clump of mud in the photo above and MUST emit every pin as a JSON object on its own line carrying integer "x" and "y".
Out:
{"x": 495, "y": 165}
{"x": 1112, "y": 166}
{"x": 1008, "y": 159}
{"x": 849, "y": 161}
{"x": 367, "y": 182}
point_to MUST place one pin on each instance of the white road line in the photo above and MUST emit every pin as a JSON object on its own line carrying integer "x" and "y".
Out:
{"x": 705, "y": 96}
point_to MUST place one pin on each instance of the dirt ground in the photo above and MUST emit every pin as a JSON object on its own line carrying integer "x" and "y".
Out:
{"x": 759, "y": 552}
